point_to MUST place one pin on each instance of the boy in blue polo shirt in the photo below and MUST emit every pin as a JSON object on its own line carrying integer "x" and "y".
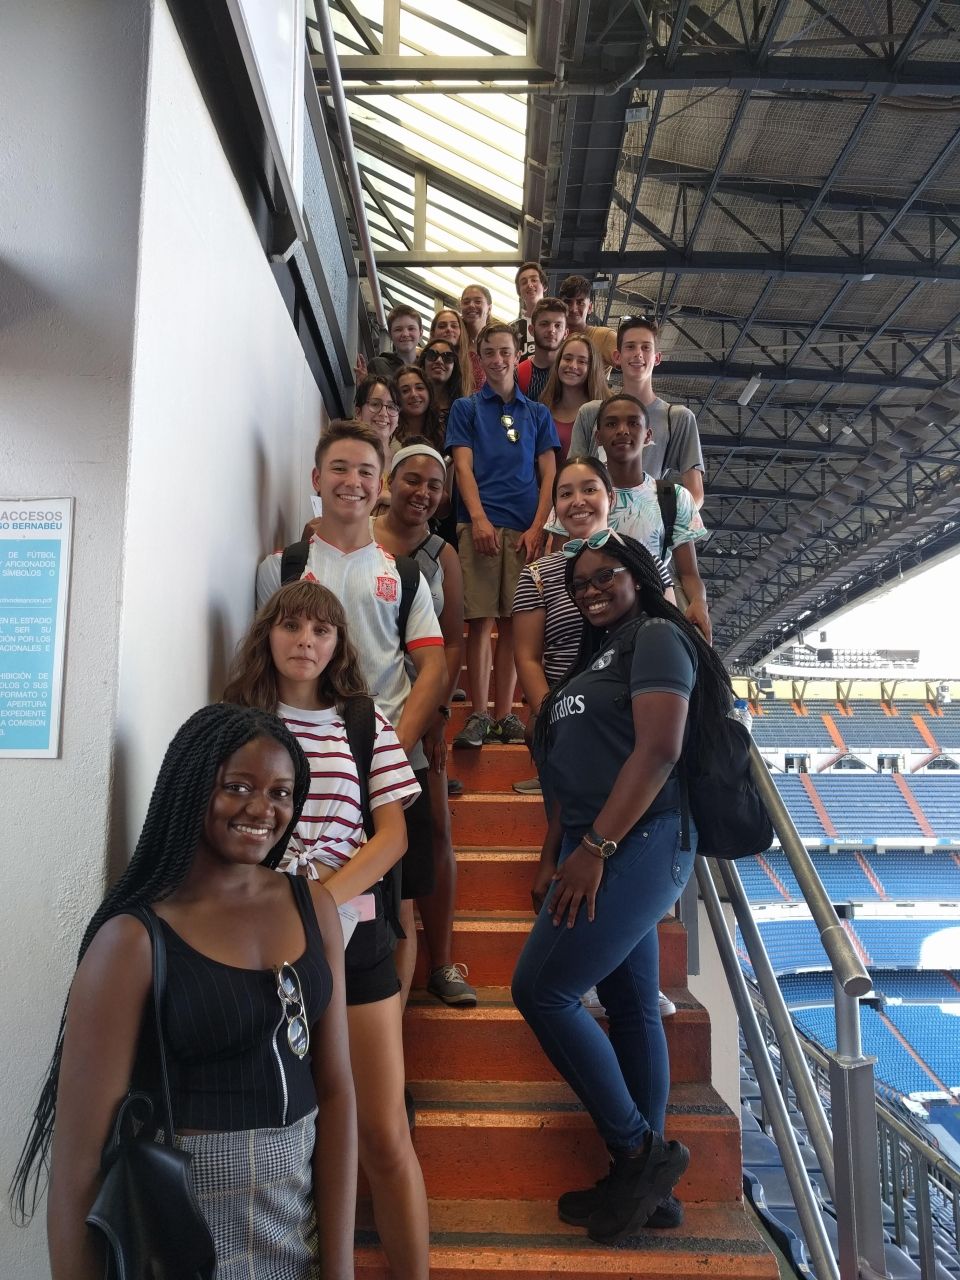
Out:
{"x": 503, "y": 453}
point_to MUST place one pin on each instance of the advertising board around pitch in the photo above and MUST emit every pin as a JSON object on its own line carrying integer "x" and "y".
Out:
{"x": 35, "y": 537}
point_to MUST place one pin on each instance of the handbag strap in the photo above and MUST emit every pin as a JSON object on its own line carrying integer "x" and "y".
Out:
{"x": 152, "y": 924}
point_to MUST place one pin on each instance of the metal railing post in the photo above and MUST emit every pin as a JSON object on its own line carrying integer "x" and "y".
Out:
{"x": 791, "y": 1055}
{"x": 811, "y": 1219}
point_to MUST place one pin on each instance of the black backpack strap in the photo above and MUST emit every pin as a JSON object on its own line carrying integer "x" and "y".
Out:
{"x": 409, "y": 572}
{"x": 294, "y": 561}
{"x": 159, "y": 948}
{"x": 360, "y": 722}
{"x": 667, "y": 501}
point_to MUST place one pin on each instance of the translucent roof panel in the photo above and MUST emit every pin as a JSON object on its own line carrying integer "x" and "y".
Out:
{"x": 470, "y": 147}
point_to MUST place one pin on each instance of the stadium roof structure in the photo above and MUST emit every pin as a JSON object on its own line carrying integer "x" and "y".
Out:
{"x": 778, "y": 183}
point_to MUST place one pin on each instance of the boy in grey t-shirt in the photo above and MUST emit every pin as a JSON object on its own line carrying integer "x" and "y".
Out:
{"x": 675, "y": 447}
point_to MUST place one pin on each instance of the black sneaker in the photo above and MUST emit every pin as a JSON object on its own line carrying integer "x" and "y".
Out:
{"x": 635, "y": 1187}
{"x": 575, "y": 1207}
{"x": 476, "y": 731}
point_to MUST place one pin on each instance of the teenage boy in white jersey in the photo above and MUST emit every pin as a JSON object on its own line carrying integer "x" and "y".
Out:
{"x": 674, "y": 448}
{"x": 531, "y": 285}
{"x": 342, "y": 555}
{"x": 549, "y": 330}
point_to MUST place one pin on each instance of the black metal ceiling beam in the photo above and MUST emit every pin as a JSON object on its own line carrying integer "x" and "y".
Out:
{"x": 659, "y": 261}
{"x": 779, "y": 374}
{"x": 737, "y": 492}
{"x": 719, "y": 442}
{"x": 771, "y": 191}
{"x": 737, "y": 69}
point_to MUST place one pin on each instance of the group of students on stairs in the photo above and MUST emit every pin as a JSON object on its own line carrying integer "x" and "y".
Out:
{"x": 326, "y": 760}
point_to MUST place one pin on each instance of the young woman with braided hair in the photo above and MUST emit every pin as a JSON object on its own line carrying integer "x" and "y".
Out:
{"x": 254, "y": 1019}
{"x": 608, "y": 740}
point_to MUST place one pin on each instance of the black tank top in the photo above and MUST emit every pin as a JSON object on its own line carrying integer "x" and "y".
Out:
{"x": 225, "y": 1031}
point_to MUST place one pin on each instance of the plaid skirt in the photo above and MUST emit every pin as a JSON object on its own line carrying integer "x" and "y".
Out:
{"x": 255, "y": 1188}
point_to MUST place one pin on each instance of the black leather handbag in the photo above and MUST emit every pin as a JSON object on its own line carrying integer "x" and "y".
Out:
{"x": 147, "y": 1209}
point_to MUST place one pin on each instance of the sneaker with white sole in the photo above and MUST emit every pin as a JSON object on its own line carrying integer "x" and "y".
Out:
{"x": 667, "y": 1007}
{"x": 475, "y": 732}
{"x": 512, "y": 731}
{"x": 449, "y": 984}
{"x": 528, "y": 787}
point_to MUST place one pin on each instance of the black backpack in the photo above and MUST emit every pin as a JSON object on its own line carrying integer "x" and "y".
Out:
{"x": 732, "y": 820}
{"x": 360, "y": 723}
{"x": 293, "y": 561}
{"x": 667, "y": 502}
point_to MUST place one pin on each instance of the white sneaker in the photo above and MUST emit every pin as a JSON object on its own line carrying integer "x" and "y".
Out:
{"x": 590, "y": 1000}
{"x": 667, "y": 1007}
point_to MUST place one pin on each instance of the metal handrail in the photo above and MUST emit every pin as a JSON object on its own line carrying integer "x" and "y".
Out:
{"x": 801, "y": 1188}
{"x": 335, "y": 88}
{"x": 932, "y": 1174}
{"x": 848, "y": 968}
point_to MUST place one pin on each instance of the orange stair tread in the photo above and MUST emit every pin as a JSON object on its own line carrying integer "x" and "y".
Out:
{"x": 550, "y": 1095}
{"x": 525, "y": 1238}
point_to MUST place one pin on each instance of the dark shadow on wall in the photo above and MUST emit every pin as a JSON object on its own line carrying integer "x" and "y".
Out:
{"x": 119, "y": 846}
{"x": 219, "y": 652}
{"x": 271, "y": 525}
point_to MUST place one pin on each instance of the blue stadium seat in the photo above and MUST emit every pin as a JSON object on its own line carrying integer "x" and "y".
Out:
{"x": 939, "y": 797}
{"x": 908, "y": 943}
{"x": 912, "y": 875}
{"x": 863, "y": 807}
{"x": 935, "y": 1036}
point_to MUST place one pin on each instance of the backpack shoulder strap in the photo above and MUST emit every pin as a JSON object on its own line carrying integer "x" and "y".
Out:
{"x": 409, "y": 572}
{"x": 294, "y": 561}
{"x": 667, "y": 501}
{"x": 360, "y": 722}
{"x": 433, "y": 544}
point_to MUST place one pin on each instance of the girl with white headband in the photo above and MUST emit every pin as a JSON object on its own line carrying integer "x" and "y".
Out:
{"x": 418, "y": 475}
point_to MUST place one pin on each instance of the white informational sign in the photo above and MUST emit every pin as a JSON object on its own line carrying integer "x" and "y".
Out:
{"x": 35, "y": 535}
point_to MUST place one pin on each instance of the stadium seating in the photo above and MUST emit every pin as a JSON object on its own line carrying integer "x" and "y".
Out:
{"x": 911, "y": 875}
{"x": 843, "y": 877}
{"x": 939, "y": 798}
{"x": 778, "y": 725}
{"x": 915, "y": 986}
{"x": 807, "y": 989}
{"x": 798, "y": 803}
{"x": 864, "y": 807}
{"x": 935, "y": 1036}
{"x": 870, "y": 726}
{"x": 790, "y": 944}
{"x": 895, "y": 1066}
{"x": 907, "y": 943}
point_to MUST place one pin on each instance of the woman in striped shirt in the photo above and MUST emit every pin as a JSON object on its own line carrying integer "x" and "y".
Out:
{"x": 297, "y": 661}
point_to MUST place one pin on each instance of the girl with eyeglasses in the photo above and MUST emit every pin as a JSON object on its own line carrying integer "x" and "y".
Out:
{"x": 609, "y": 737}
{"x": 377, "y": 405}
{"x": 577, "y": 377}
{"x": 446, "y": 325}
{"x": 297, "y": 661}
{"x": 253, "y": 1017}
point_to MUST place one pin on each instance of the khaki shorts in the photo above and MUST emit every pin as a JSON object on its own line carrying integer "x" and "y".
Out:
{"x": 489, "y": 582}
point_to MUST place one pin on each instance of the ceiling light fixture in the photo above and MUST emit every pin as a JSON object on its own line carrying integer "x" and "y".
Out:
{"x": 749, "y": 391}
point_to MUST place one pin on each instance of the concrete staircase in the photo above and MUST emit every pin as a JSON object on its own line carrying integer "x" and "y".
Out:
{"x": 499, "y": 1135}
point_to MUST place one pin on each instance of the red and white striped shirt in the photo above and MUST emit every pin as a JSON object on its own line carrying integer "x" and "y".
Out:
{"x": 330, "y": 829}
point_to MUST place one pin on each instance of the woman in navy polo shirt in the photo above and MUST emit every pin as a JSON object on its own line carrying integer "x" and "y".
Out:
{"x": 608, "y": 739}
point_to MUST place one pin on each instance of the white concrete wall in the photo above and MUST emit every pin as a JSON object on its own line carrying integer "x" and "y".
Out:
{"x": 148, "y": 367}
{"x": 709, "y": 986}
{"x": 224, "y": 407}
{"x": 74, "y": 80}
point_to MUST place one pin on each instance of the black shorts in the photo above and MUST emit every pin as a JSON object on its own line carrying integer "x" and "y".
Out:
{"x": 369, "y": 971}
{"x": 416, "y": 865}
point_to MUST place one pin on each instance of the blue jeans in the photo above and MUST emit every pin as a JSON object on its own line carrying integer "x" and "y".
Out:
{"x": 623, "y": 1080}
